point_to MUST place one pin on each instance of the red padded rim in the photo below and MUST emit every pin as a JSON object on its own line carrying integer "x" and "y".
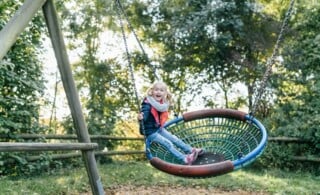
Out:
{"x": 226, "y": 113}
{"x": 207, "y": 170}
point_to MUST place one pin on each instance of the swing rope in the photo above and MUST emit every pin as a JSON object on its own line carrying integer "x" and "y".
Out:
{"x": 271, "y": 60}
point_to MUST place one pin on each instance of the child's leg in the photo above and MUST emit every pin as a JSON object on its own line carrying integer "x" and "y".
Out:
{"x": 175, "y": 140}
{"x": 156, "y": 137}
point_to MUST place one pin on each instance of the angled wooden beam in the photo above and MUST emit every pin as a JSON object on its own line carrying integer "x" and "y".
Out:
{"x": 72, "y": 94}
{"x": 16, "y": 25}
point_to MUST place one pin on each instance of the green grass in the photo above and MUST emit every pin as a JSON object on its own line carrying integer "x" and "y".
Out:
{"x": 75, "y": 181}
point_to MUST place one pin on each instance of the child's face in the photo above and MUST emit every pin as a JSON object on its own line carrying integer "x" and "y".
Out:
{"x": 159, "y": 92}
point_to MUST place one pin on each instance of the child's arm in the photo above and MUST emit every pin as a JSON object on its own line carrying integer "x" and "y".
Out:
{"x": 145, "y": 111}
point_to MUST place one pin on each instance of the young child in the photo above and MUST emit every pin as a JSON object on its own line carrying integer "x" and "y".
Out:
{"x": 154, "y": 113}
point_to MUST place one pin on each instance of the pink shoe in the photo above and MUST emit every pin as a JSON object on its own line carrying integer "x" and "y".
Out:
{"x": 190, "y": 158}
{"x": 200, "y": 151}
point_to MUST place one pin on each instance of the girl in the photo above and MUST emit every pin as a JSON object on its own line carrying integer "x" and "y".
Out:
{"x": 154, "y": 113}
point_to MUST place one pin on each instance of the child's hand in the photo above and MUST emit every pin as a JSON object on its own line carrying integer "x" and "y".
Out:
{"x": 140, "y": 116}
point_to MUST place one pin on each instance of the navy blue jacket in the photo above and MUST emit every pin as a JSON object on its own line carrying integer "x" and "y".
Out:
{"x": 149, "y": 122}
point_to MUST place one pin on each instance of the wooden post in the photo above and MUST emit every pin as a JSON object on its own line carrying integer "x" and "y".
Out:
{"x": 72, "y": 94}
{"x": 11, "y": 31}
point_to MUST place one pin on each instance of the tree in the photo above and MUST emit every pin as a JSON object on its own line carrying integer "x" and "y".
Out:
{"x": 21, "y": 84}
{"x": 102, "y": 80}
{"x": 199, "y": 43}
{"x": 299, "y": 92}
{"x": 296, "y": 111}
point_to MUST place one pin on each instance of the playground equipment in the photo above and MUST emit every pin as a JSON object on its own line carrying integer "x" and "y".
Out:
{"x": 8, "y": 36}
{"x": 232, "y": 139}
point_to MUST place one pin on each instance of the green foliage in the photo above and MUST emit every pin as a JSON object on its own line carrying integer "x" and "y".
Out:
{"x": 103, "y": 81}
{"x": 200, "y": 43}
{"x": 21, "y": 88}
{"x": 19, "y": 164}
{"x": 280, "y": 156}
{"x": 21, "y": 83}
{"x": 296, "y": 113}
{"x": 129, "y": 128}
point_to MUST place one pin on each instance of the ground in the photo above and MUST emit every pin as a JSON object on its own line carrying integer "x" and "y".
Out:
{"x": 173, "y": 190}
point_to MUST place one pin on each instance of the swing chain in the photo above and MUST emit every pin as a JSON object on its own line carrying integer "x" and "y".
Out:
{"x": 120, "y": 9}
{"x": 271, "y": 60}
{"x": 128, "y": 54}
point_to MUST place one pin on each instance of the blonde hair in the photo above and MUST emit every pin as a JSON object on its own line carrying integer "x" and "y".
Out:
{"x": 168, "y": 96}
